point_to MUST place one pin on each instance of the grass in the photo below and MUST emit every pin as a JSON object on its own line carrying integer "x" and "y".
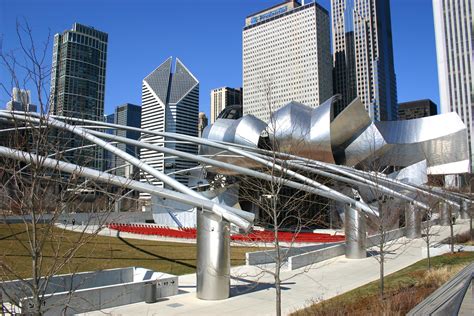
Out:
{"x": 101, "y": 253}
{"x": 404, "y": 289}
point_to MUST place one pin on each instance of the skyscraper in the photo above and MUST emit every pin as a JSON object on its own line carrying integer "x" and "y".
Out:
{"x": 109, "y": 162}
{"x": 363, "y": 56}
{"x": 223, "y": 97}
{"x": 129, "y": 115}
{"x": 78, "y": 81}
{"x": 170, "y": 103}
{"x": 454, "y": 48}
{"x": 286, "y": 57}
{"x": 21, "y": 101}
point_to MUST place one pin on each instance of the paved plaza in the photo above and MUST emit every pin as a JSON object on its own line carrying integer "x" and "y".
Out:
{"x": 252, "y": 292}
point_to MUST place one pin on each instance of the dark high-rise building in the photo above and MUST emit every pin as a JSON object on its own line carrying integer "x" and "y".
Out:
{"x": 129, "y": 115}
{"x": 363, "y": 56}
{"x": 416, "y": 109}
{"x": 107, "y": 155}
{"x": 78, "y": 82}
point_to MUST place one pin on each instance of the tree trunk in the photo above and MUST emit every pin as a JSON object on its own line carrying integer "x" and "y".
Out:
{"x": 451, "y": 227}
{"x": 428, "y": 255}
{"x": 470, "y": 228}
{"x": 277, "y": 259}
{"x": 382, "y": 281}
{"x": 278, "y": 295}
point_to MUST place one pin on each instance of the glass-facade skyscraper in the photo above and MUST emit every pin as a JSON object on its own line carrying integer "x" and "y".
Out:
{"x": 78, "y": 82}
{"x": 129, "y": 115}
{"x": 363, "y": 56}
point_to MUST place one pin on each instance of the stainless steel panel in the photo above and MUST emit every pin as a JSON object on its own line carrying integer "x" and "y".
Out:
{"x": 440, "y": 139}
{"x": 348, "y": 125}
{"x": 320, "y": 133}
{"x": 221, "y": 130}
{"x": 290, "y": 127}
{"x": 248, "y": 131}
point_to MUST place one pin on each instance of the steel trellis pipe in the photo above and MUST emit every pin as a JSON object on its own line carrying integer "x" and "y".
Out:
{"x": 104, "y": 177}
{"x": 220, "y": 211}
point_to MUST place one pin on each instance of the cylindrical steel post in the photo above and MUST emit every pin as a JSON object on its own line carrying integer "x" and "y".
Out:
{"x": 213, "y": 257}
{"x": 464, "y": 210}
{"x": 356, "y": 232}
{"x": 412, "y": 221}
{"x": 444, "y": 214}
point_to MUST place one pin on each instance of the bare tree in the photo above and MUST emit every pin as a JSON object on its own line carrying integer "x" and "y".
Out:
{"x": 282, "y": 211}
{"x": 386, "y": 239}
{"x": 428, "y": 229}
{"x": 35, "y": 199}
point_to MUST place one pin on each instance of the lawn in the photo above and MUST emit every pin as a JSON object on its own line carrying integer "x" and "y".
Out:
{"x": 404, "y": 289}
{"x": 101, "y": 253}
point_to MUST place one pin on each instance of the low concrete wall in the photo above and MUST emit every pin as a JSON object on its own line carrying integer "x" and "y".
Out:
{"x": 268, "y": 256}
{"x": 374, "y": 240}
{"x": 309, "y": 258}
{"x": 305, "y": 259}
{"x": 88, "y": 291}
{"x": 66, "y": 282}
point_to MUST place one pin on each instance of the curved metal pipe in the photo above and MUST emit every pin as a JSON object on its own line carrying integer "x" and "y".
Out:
{"x": 95, "y": 175}
{"x": 362, "y": 182}
{"x": 220, "y": 211}
{"x": 232, "y": 149}
{"x": 394, "y": 182}
{"x": 241, "y": 170}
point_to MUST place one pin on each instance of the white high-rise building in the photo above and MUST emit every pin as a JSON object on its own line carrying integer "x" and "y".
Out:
{"x": 453, "y": 22}
{"x": 170, "y": 103}
{"x": 286, "y": 57}
{"x": 21, "y": 101}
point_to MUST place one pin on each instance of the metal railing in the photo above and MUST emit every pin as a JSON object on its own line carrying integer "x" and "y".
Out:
{"x": 448, "y": 298}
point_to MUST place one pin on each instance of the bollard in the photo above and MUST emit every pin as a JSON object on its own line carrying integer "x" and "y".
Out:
{"x": 150, "y": 292}
{"x": 356, "y": 233}
{"x": 213, "y": 261}
{"x": 412, "y": 221}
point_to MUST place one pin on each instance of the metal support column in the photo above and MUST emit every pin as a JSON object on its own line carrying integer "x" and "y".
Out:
{"x": 412, "y": 221}
{"x": 444, "y": 214}
{"x": 213, "y": 257}
{"x": 356, "y": 232}
{"x": 464, "y": 210}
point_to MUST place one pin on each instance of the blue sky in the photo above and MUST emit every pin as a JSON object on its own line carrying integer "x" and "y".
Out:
{"x": 207, "y": 36}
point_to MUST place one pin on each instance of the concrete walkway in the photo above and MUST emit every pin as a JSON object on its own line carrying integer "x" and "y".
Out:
{"x": 253, "y": 293}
